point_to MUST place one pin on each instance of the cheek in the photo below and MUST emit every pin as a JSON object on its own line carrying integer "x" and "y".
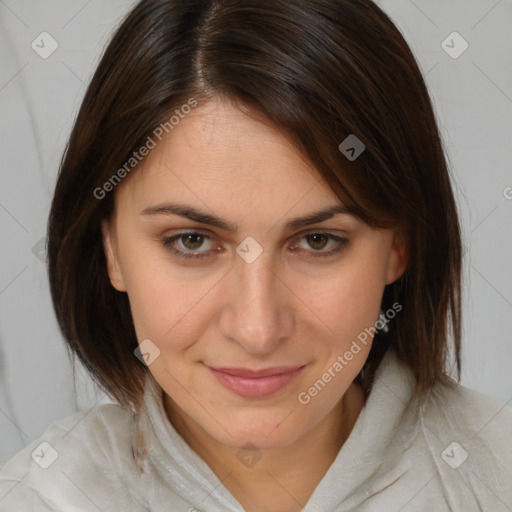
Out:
{"x": 348, "y": 304}
{"x": 169, "y": 305}
{"x": 348, "y": 301}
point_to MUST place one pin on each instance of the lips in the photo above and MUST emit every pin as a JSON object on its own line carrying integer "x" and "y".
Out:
{"x": 256, "y": 383}
{"x": 265, "y": 372}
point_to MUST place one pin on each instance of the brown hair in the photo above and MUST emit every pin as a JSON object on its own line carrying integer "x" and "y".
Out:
{"x": 319, "y": 70}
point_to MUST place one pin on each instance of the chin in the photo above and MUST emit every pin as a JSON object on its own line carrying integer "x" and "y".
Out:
{"x": 254, "y": 440}
{"x": 262, "y": 430}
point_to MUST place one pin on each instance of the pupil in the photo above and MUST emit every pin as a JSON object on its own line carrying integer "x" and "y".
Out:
{"x": 318, "y": 239}
{"x": 195, "y": 240}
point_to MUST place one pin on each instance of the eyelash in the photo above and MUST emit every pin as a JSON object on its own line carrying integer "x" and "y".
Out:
{"x": 168, "y": 243}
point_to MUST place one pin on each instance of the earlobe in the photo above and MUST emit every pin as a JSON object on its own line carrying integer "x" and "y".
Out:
{"x": 398, "y": 257}
{"x": 114, "y": 272}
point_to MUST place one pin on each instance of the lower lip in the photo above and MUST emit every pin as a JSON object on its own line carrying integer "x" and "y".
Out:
{"x": 255, "y": 387}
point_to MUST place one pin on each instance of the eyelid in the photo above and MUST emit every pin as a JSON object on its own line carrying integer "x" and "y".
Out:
{"x": 314, "y": 231}
{"x": 323, "y": 231}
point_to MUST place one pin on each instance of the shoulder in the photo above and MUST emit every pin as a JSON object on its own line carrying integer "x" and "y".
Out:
{"x": 468, "y": 413}
{"x": 63, "y": 466}
{"x": 469, "y": 436}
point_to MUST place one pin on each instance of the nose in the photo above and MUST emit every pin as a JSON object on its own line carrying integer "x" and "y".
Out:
{"x": 257, "y": 311}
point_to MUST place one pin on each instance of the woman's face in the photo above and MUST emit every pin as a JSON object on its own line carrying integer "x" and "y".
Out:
{"x": 246, "y": 306}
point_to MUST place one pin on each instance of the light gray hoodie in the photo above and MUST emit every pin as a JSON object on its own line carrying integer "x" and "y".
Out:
{"x": 452, "y": 452}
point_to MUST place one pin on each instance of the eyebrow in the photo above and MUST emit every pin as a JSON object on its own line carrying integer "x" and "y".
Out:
{"x": 196, "y": 215}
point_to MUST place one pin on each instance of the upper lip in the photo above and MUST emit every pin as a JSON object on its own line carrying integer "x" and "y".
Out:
{"x": 252, "y": 373}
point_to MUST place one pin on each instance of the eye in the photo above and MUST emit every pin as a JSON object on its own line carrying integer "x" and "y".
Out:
{"x": 187, "y": 245}
{"x": 318, "y": 242}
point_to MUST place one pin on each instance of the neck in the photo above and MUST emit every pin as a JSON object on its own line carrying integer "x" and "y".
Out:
{"x": 283, "y": 478}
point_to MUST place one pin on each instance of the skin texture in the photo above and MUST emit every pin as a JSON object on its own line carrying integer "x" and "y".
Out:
{"x": 288, "y": 307}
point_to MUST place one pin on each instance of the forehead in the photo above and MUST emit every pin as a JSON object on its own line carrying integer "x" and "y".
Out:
{"x": 222, "y": 158}
{"x": 218, "y": 138}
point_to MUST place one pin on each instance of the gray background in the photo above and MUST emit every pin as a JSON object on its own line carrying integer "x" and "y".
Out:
{"x": 40, "y": 97}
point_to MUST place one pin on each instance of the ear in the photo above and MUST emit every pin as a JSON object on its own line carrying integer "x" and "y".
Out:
{"x": 114, "y": 271}
{"x": 398, "y": 257}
